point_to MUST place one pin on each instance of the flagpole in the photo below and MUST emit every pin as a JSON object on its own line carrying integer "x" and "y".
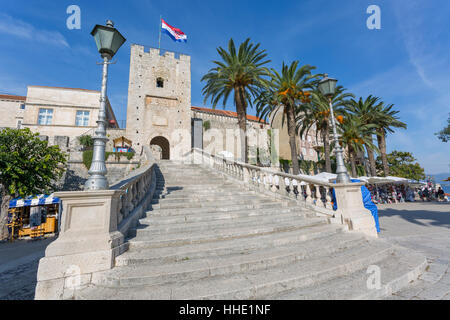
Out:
{"x": 159, "y": 42}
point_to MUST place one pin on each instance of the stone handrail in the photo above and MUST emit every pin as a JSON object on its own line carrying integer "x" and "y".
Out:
{"x": 313, "y": 192}
{"x": 135, "y": 188}
{"x": 94, "y": 225}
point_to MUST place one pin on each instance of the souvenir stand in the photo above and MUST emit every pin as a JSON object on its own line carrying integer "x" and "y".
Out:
{"x": 34, "y": 217}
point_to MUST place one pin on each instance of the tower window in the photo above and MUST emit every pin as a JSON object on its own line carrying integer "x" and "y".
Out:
{"x": 160, "y": 83}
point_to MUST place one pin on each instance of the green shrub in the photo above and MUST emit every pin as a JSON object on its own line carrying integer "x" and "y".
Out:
{"x": 86, "y": 141}
{"x": 88, "y": 154}
{"x": 207, "y": 125}
{"x": 87, "y": 158}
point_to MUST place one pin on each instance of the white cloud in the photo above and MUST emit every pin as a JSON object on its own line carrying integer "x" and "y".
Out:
{"x": 24, "y": 30}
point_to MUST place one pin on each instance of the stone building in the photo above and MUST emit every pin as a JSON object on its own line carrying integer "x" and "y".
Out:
{"x": 159, "y": 101}
{"x": 306, "y": 145}
{"x": 219, "y": 133}
{"x": 63, "y": 114}
{"x": 12, "y": 109}
{"x": 159, "y": 115}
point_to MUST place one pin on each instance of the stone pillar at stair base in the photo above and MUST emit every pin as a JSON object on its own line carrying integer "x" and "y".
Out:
{"x": 88, "y": 242}
{"x": 351, "y": 209}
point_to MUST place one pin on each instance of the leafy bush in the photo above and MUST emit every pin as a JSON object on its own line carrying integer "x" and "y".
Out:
{"x": 88, "y": 154}
{"x": 207, "y": 125}
{"x": 86, "y": 141}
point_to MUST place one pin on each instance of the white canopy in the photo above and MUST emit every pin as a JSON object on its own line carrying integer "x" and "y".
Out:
{"x": 325, "y": 176}
{"x": 226, "y": 154}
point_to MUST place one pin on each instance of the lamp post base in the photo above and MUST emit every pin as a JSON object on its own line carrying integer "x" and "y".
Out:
{"x": 96, "y": 182}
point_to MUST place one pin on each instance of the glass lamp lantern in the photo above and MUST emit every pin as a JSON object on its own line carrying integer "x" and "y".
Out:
{"x": 107, "y": 38}
{"x": 327, "y": 86}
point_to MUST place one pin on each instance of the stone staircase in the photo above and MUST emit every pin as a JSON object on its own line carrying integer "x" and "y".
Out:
{"x": 205, "y": 237}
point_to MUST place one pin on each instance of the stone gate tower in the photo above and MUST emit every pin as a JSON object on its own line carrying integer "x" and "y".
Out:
{"x": 159, "y": 101}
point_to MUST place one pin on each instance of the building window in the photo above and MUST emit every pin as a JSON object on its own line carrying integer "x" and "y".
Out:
{"x": 22, "y": 106}
{"x": 160, "y": 83}
{"x": 82, "y": 119}
{"x": 45, "y": 116}
{"x": 19, "y": 124}
{"x": 304, "y": 151}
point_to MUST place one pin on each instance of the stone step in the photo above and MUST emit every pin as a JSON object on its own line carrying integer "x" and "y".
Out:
{"x": 207, "y": 198}
{"x": 330, "y": 233}
{"x": 247, "y": 284}
{"x": 190, "y": 197}
{"x": 209, "y": 225}
{"x": 204, "y": 203}
{"x": 199, "y": 268}
{"x": 195, "y": 187}
{"x": 215, "y": 216}
{"x": 149, "y": 240}
{"x": 180, "y": 211}
{"x": 189, "y": 179}
{"x": 396, "y": 272}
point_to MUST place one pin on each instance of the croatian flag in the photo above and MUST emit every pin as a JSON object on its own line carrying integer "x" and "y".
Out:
{"x": 175, "y": 33}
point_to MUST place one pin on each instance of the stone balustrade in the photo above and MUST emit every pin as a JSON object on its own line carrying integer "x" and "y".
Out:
{"x": 93, "y": 227}
{"x": 307, "y": 191}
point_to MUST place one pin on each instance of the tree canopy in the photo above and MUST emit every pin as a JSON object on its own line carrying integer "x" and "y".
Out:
{"x": 28, "y": 166}
{"x": 404, "y": 165}
{"x": 444, "y": 134}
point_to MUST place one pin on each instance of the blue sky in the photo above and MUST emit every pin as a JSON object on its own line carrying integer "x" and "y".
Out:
{"x": 405, "y": 63}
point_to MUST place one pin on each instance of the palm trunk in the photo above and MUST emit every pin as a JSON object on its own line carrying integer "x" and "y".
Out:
{"x": 352, "y": 161}
{"x": 372, "y": 163}
{"x": 325, "y": 132}
{"x": 382, "y": 146}
{"x": 241, "y": 109}
{"x": 4, "y": 213}
{"x": 291, "y": 132}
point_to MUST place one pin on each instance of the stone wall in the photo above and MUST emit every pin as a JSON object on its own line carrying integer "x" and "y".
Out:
{"x": 65, "y": 102}
{"x": 76, "y": 173}
{"x": 223, "y": 135}
{"x": 305, "y": 144}
{"x": 10, "y": 112}
{"x": 155, "y": 111}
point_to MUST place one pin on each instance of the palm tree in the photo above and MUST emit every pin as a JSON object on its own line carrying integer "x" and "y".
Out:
{"x": 242, "y": 73}
{"x": 385, "y": 122}
{"x": 367, "y": 110}
{"x": 317, "y": 112}
{"x": 355, "y": 135}
{"x": 287, "y": 90}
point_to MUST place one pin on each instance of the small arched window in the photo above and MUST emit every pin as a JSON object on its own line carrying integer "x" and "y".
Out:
{"x": 160, "y": 83}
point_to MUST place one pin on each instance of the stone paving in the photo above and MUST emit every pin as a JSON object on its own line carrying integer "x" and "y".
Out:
{"x": 424, "y": 227}
{"x": 18, "y": 268}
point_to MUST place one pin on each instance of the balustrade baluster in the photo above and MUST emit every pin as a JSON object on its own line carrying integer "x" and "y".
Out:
{"x": 319, "y": 201}
{"x": 308, "y": 194}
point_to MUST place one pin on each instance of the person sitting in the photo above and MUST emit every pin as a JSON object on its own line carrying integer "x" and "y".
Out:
{"x": 440, "y": 194}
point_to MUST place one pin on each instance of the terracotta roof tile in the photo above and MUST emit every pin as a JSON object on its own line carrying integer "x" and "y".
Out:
{"x": 12, "y": 97}
{"x": 77, "y": 89}
{"x": 226, "y": 113}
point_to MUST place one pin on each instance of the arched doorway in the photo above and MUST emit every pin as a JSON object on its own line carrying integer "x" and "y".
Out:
{"x": 164, "y": 146}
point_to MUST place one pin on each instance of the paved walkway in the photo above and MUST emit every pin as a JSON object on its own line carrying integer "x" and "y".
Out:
{"x": 424, "y": 227}
{"x": 18, "y": 268}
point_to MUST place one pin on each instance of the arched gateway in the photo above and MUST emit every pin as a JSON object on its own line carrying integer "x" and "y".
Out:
{"x": 164, "y": 146}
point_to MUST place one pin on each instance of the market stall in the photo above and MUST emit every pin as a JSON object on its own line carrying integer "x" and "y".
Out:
{"x": 122, "y": 144}
{"x": 33, "y": 217}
